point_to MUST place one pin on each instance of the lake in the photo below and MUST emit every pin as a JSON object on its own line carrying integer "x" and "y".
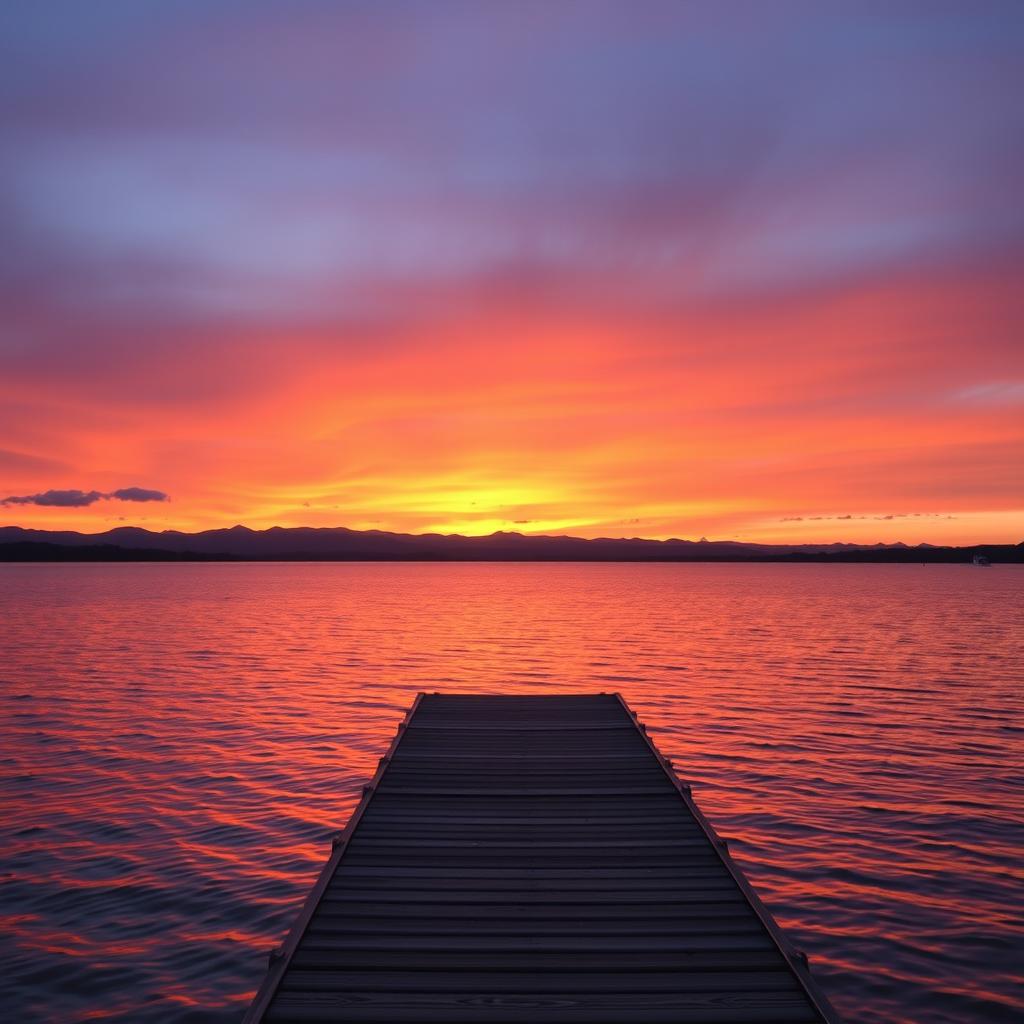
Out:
{"x": 179, "y": 741}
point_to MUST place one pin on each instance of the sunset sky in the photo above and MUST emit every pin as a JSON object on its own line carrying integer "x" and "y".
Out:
{"x": 740, "y": 270}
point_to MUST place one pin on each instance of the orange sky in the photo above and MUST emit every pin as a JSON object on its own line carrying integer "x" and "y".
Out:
{"x": 536, "y": 267}
{"x": 859, "y": 415}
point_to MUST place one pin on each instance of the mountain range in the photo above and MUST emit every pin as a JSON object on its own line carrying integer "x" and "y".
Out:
{"x": 239, "y": 543}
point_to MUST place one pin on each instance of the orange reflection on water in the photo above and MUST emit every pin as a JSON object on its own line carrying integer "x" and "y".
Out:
{"x": 184, "y": 740}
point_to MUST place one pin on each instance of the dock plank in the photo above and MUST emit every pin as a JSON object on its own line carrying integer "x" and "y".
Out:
{"x": 510, "y": 981}
{"x": 532, "y": 859}
{"x": 567, "y": 1008}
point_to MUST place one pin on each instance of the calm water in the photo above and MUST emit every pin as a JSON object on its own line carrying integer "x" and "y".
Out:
{"x": 179, "y": 740}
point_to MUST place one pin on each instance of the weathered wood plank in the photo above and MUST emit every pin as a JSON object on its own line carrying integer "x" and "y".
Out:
{"x": 598, "y": 962}
{"x": 596, "y": 837}
{"x": 523, "y": 791}
{"x": 445, "y": 868}
{"x": 580, "y": 830}
{"x": 484, "y": 865}
{"x": 439, "y": 910}
{"x": 504, "y": 726}
{"x": 510, "y": 981}
{"x": 624, "y": 847}
{"x": 543, "y": 1008}
{"x": 539, "y": 943}
{"x": 520, "y": 824}
{"x": 538, "y": 894}
{"x": 550, "y": 884}
{"x": 333, "y": 924}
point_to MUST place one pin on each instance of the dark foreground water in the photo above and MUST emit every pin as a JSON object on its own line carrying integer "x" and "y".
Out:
{"x": 179, "y": 740}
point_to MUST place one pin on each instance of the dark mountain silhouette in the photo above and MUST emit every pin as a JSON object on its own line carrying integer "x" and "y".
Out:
{"x": 130, "y": 543}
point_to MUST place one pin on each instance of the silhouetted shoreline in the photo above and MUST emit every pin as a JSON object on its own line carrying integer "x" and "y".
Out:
{"x": 338, "y": 544}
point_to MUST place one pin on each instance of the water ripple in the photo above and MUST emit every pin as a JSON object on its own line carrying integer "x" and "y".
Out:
{"x": 181, "y": 740}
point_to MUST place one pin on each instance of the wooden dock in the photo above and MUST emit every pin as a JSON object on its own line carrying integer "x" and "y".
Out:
{"x": 532, "y": 859}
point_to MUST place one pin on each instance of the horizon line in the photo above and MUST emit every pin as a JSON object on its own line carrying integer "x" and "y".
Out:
{"x": 526, "y": 536}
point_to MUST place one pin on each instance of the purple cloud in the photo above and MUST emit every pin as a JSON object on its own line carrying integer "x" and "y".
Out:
{"x": 58, "y": 499}
{"x": 137, "y": 494}
{"x": 79, "y": 499}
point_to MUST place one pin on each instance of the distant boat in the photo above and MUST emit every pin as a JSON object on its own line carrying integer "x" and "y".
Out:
{"x": 980, "y": 560}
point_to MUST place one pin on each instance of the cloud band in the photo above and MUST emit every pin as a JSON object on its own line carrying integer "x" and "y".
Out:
{"x": 79, "y": 499}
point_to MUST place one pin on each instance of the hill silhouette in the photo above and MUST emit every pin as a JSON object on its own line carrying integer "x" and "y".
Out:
{"x": 131, "y": 543}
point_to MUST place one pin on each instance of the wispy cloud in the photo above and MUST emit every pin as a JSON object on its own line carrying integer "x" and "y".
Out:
{"x": 79, "y": 499}
{"x": 882, "y": 518}
{"x": 997, "y": 392}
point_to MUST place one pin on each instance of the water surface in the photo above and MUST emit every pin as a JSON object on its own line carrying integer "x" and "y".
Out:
{"x": 179, "y": 741}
